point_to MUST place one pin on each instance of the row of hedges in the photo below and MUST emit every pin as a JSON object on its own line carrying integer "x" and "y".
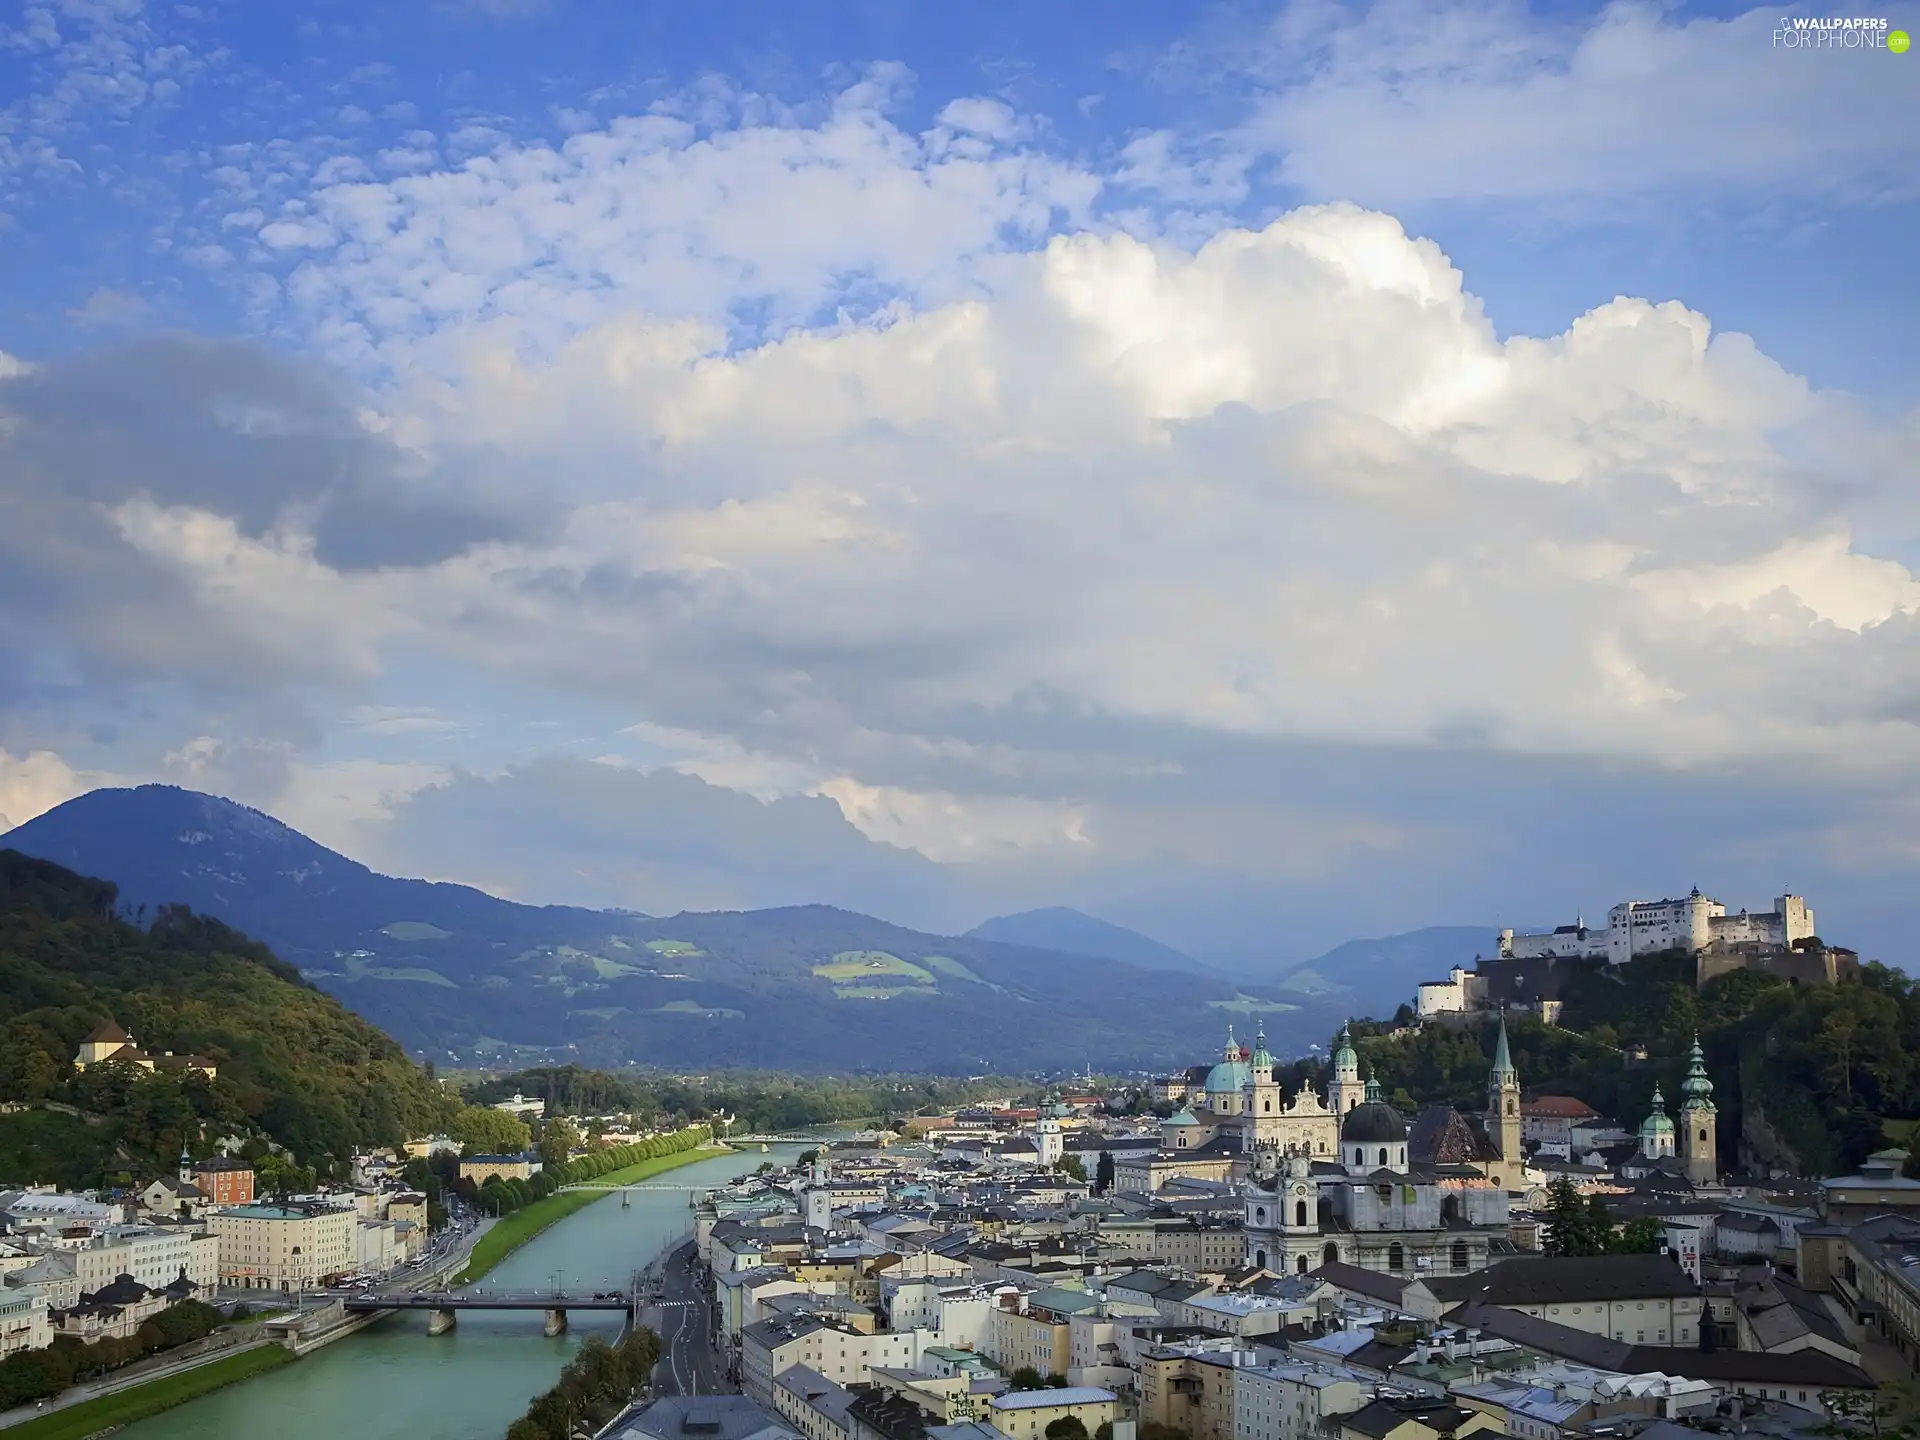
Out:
{"x": 28, "y": 1375}
{"x": 509, "y": 1195}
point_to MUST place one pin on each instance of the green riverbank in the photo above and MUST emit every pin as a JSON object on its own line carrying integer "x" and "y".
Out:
{"x": 515, "y": 1230}
{"x": 90, "y": 1417}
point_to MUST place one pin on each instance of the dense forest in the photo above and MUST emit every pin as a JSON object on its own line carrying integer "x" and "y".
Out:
{"x": 1806, "y": 1077}
{"x": 294, "y": 1066}
{"x": 756, "y": 1101}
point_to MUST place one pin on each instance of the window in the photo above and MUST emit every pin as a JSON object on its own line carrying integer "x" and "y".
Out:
{"x": 1300, "y": 1212}
{"x": 1396, "y": 1256}
{"x": 1383, "y": 1155}
{"x": 1460, "y": 1257}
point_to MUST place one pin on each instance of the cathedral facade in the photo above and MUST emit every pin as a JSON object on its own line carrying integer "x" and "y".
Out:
{"x": 1372, "y": 1198}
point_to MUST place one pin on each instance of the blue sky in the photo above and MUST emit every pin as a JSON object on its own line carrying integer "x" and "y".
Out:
{"x": 999, "y": 421}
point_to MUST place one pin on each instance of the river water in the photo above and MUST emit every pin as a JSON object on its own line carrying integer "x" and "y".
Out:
{"x": 394, "y": 1382}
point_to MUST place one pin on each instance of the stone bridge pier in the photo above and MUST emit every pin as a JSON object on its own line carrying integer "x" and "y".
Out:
{"x": 556, "y": 1322}
{"x": 439, "y": 1322}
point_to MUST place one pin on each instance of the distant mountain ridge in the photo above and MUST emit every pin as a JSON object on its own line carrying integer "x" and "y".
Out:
{"x": 1376, "y": 975}
{"x": 1059, "y": 928}
{"x": 456, "y": 973}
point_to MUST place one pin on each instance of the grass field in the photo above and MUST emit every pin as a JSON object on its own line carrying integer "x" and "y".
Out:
{"x": 673, "y": 948}
{"x": 92, "y": 1416}
{"x": 522, "y": 1225}
{"x": 1248, "y": 1005}
{"x": 867, "y": 966}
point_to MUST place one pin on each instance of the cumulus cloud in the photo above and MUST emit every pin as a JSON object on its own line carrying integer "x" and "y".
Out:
{"x": 34, "y": 783}
{"x": 1004, "y": 577}
{"x": 1403, "y": 101}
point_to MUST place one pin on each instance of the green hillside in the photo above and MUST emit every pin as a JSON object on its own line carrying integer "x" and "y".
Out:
{"x": 293, "y": 1064}
{"x": 1806, "y": 1077}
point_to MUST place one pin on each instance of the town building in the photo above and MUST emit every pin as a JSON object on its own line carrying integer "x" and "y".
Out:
{"x": 1026, "y": 1414}
{"x": 224, "y": 1180}
{"x": 1293, "y": 1402}
{"x": 482, "y": 1168}
{"x": 23, "y": 1321}
{"x": 284, "y": 1247}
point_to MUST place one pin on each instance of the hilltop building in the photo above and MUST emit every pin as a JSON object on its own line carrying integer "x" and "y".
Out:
{"x": 1643, "y": 927}
{"x": 108, "y": 1042}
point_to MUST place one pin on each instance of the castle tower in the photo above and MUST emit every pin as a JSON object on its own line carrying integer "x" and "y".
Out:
{"x": 1503, "y": 1109}
{"x": 186, "y": 1165}
{"x": 1699, "y": 1118}
{"x": 1346, "y": 1090}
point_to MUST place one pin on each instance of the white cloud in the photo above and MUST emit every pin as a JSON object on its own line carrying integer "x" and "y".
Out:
{"x": 34, "y": 783}
{"x": 1291, "y": 485}
{"x": 1403, "y": 101}
{"x": 739, "y": 201}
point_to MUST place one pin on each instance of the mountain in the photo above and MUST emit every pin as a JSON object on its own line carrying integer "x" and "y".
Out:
{"x": 1378, "y": 975}
{"x": 1060, "y": 928}
{"x": 454, "y": 973}
{"x": 291, "y": 1061}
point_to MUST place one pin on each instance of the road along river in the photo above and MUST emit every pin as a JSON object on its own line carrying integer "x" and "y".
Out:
{"x": 394, "y": 1382}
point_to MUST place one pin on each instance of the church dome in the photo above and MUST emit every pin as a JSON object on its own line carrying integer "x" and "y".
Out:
{"x": 1228, "y": 1075}
{"x": 1232, "y": 1074}
{"x": 1374, "y": 1122}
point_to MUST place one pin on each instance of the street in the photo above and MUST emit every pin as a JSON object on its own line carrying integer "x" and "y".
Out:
{"x": 684, "y": 1321}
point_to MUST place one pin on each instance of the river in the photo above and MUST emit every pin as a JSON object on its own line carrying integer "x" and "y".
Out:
{"x": 393, "y": 1380}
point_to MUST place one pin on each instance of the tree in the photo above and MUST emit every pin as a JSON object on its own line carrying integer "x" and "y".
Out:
{"x": 1067, "y": 1427}
{"x": 1640, "y": 1237}
{"x": 1070, "y": 1165}
{"x": 1571, "y": 1222}
{"x": 558, "y": 1137}
{"x": 1103, "y": 1173}
{"x": 482, "y": 1130}
{"x": 1025, "y": 1378}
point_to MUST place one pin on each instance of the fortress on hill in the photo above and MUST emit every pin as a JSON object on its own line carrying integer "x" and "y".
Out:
{"x": 1532, "y": 967}
{"x": 1644, "y": 927}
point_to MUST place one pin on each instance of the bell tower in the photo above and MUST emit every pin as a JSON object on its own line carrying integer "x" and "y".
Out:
{"x": 1503, "y": 1110}
{"x": 1346, "y": 1089}
{"x": 1699, "y": 1117}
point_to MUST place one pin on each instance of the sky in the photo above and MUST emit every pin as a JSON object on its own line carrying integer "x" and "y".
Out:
{"x": 1262, "y": 473}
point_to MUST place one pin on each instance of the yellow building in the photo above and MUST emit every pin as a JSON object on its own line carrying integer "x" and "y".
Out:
{"x": 109, "y": 1042}
{"x": 482, "y": 1168}
{"x": 1025, "y": 1414}
{"x": 276, "y": 1247}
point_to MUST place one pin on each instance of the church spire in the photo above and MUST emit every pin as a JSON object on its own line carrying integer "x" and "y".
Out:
{"x": 1502, "y": 1056}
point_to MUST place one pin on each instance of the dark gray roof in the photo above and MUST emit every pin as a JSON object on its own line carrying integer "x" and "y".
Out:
{"x": 1553, "y": 1281}
{"x": 1375, "y": 1123}
{"x": 1382, "y": 1417}
{"x": 706, "y": 1417}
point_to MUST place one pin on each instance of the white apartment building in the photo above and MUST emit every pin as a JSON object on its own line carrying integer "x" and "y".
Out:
{"x": 1641, "y": 927}
{"x": 155, "y": 1256}
{"x": 23, "y": 1322}
{"x": 378, "y": 1248}
{"x": 273, "y": 1247}
{"x": 836, "y": 1353}
{"x": 1290, "y": 1402}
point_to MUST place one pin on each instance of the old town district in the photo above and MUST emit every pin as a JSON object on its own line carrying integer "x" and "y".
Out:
{"x": 1265, "y": 1266}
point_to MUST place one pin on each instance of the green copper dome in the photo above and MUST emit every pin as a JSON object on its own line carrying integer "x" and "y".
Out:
{"x": 1262, "y": 1058}
{"x": 1657, "y": 1125}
